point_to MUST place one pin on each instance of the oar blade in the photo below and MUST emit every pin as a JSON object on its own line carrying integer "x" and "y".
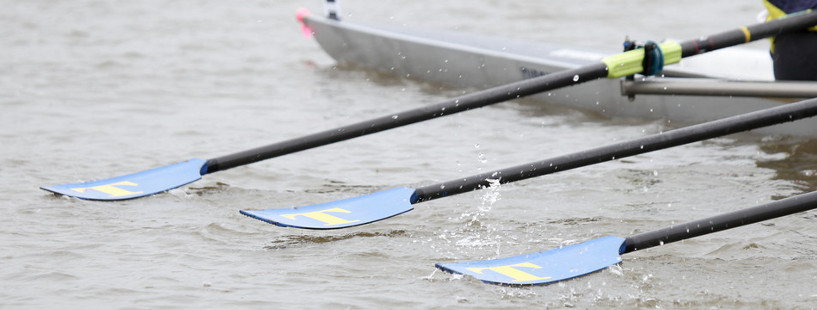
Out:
{"x": 135, "y": 185}
{"x": 341, "y": 214}
{"x": 544, "y": 267}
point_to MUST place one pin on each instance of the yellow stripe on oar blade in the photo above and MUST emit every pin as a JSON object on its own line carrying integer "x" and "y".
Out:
{"x": 340, "y": 214}
{"x": 134, "y": 185}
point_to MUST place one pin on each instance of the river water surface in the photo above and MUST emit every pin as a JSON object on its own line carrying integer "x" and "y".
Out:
{"x": 96, "y": 89}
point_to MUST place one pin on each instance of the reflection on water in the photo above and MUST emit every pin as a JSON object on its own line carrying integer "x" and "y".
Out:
{"x": 799, "y": 165}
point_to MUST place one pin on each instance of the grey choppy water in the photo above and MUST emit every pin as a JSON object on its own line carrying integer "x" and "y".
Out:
{"x": 93, "y": 89}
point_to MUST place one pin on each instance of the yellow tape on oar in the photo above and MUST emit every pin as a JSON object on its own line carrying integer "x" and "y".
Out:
{"x": 629, "y": 63}
{"x": 746, "y": 34}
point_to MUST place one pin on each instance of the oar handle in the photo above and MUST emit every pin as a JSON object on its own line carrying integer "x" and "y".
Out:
{"x": 721, "y": 222}
{"x": 681, "y": 136}
{"x": 463, "y": 103}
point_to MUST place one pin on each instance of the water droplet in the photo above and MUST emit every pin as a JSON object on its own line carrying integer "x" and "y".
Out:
{"x": 576, "y": 78}
{"x": 395, "y": 116}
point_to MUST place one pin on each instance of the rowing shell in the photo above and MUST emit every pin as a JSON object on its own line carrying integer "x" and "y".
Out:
{"x": 470, "y": 61}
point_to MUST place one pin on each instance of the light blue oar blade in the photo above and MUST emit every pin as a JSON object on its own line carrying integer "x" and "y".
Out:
{"x": 343, "y": 213}
{"x": 135, "y": 185}
{"x": 544, "y": 267}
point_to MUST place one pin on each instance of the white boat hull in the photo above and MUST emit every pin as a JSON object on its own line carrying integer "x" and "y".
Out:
{"x": 469, "y": 61}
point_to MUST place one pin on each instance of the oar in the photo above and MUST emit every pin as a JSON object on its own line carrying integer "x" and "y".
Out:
{"x": 388, "y": 203}
{"x": 168, "y": 177}
{"x": 594, "y": 255}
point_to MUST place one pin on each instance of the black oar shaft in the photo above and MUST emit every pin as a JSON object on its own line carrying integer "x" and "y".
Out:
{"x": 718, "y": 128}
{"x": 463, "y": 103}
{"x": 797, "y": 22}
{"x": 497, "y": 94}
{"x": 721, "y": 222}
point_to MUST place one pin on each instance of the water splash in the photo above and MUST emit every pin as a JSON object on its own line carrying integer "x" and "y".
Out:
{"x": 491, "y": 196}
{"x": 482, "y": 158}
{"x": 616, "y": 270}
{"x": 474, "y": 233}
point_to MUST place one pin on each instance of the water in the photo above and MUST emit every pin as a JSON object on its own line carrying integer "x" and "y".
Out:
{"x": 94, "y": 89}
